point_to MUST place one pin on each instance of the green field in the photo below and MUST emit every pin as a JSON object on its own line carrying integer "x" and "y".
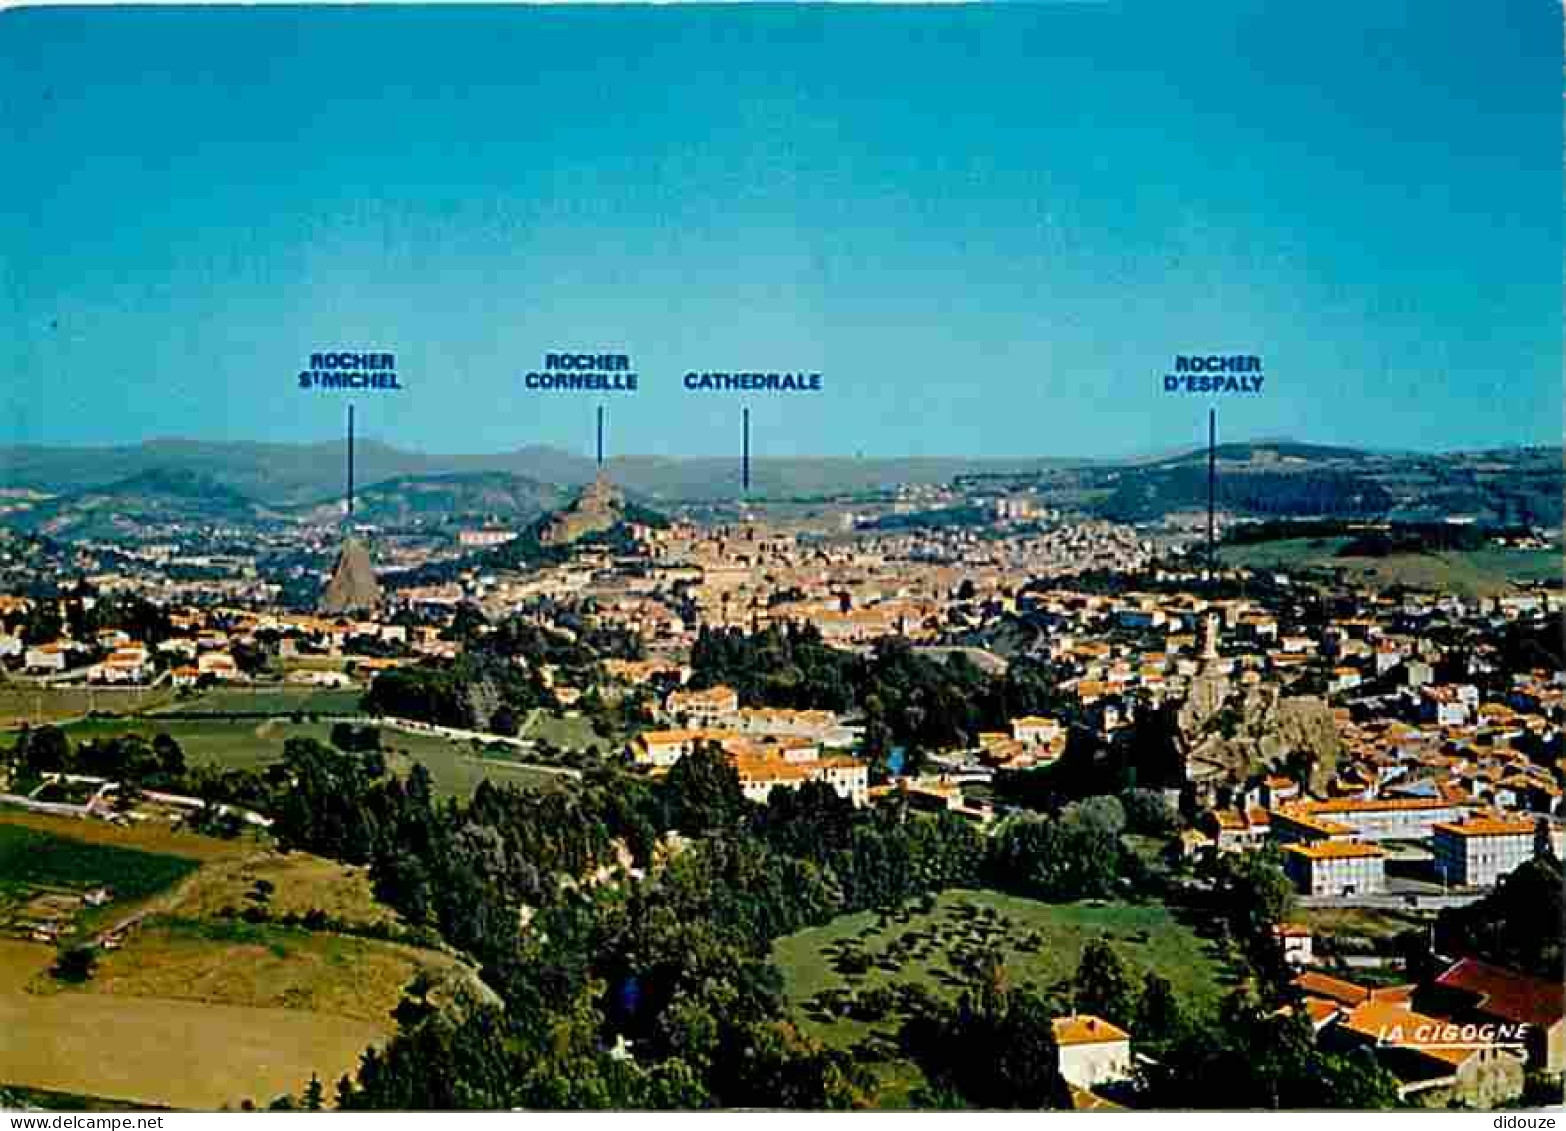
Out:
{"x": 1361, "y": 922}
{"x": 1474, "y": 573}
{"x": 457, "y": 770}
{"x": 153, "y": 1051}
{"x": 252, "y": 743}
{"x": 196, "y": 1008}
{"x": 1147, "y": 937}
{"x": 566, "y": 732}
{"x": 269, "y": 701}
{"x": 257, "y": 965}
{"x": 24, "y": 703}
{"x": 31, "y": 859}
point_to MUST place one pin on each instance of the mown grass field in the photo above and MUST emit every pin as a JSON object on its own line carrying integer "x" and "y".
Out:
{"x": 252, "y": 743}
{"x": 1476, "y": 573}
{"x": 24, "y": 703}
{"x": 32, "y": 859}
{"x": 149, "y": 837}
{"x": 300, "y": 883}
{"x": 565, "y": 731}
{"x": 269, "y": 701}
{"x": 183, "y": 1054}
{"x": 1147, "y": 937}
{"x": 457, "y": 769}
{"x": 256, "y": 965}
{"x": 196, "y": 1009}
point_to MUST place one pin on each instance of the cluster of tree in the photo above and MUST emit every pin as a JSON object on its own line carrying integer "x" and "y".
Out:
{"x": 465, "y": 693}
{"x": 1076, "y": 854}
{"x": 429, "y": 693}
{"x": 877, "y": 860}
{"x": 995, "y": 1048}
{"x": 1249, "y": 898}
{"x": 789, "y": 666}
{"x": 617, "y": 716}
{"x": 1519, "y": 924}
{"x": 578, "y": 650}
{"x": 906, "y": 698}
{"x": 1265, "y": 1058}
{"x": 678, "y": 964}
{"x": 158, "y": 763}
{"x": 482, "y": 1057}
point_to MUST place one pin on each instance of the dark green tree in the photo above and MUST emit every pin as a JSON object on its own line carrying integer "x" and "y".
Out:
{"x": 76, "y": 963}
{"x": 703, "y": 792}
{"x": 43, "y": 750}
{"x": 1102, "y": 985}
{"x": 170, "y": 756}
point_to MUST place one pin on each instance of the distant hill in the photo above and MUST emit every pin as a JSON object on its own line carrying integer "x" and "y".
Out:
{"x": 1263, "y": 453}
{"x": 282, "y": 475}
{"x": 1520, "y": 486}
{"x": 159, "y": 496}
{"x": 470, "y": 497}
{"x": 1273, "y": 478}
{"x": 1151, "y": 493}
{"x": 304, "y": 475}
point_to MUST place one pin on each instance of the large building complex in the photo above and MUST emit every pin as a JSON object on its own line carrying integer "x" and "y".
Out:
{"x": 1336, "y": 867}
{"x": 1476, "y": 853}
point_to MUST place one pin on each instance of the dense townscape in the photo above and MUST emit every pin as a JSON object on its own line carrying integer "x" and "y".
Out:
{"x": 953, "y": 797}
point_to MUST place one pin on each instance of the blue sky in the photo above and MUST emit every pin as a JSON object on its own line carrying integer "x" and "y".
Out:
{"x": 989, "y": 227}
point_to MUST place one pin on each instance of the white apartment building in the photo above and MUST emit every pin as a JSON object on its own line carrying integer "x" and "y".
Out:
{"x": 1336, "y": 867}
{"x": 1391, "y": 818}
{"x": 1478, "y": 852}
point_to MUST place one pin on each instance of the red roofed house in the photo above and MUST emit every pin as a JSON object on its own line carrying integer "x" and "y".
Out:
{"x": 1474, "y": 991}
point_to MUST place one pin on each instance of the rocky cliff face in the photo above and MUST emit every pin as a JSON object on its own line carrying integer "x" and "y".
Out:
{"x": 597, "y": 508}
{"x": 1228, "y": 735}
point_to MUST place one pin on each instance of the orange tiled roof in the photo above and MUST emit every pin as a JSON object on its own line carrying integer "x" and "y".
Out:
{"x": 1085, "y": 1029}
{"x": 1333, "y": 989}
{"x": 1335, "y": 850}
{"x": 1395, "y": 1026}
{"x": 1485, "y": 826}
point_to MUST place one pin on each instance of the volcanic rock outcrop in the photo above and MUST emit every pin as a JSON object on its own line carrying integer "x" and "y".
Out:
{"x": 597, "y": 508}
{"x": 353, "y": 587}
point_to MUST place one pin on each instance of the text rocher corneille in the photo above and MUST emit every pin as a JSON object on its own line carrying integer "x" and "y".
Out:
{"x": 586, "y": 372}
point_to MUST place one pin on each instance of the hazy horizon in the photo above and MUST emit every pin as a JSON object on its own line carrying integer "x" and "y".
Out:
{"x": 362, "y": 439}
